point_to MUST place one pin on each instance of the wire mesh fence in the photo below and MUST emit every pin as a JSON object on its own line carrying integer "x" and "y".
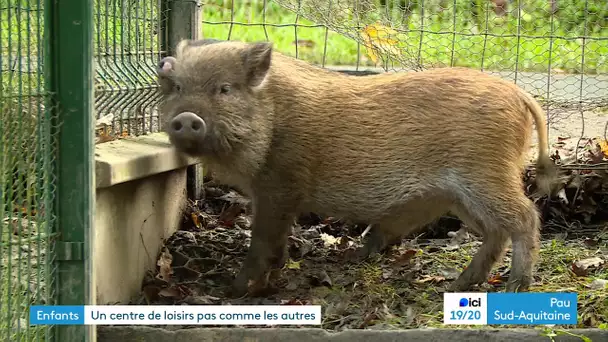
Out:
{"x": 127, "y": 47}
{"x": 43, "y": 149}
{"x": 556, "y": 49}
{"x": 27, "y": 180}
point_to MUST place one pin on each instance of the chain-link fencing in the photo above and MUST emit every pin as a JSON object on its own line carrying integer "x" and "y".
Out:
{"x": 27, "y": 180}
{"x": 556, "y": 49}
{"x": 43, "y": 146}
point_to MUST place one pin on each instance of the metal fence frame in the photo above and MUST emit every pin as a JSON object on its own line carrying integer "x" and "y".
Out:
{"x": 73, "y": 99}
{"x": 69, "y": 76}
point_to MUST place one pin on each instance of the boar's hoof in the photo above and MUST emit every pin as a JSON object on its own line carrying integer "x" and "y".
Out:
{"x": 362, "y": 254}
{"x": 376, "y": 243}
{"x": 243, "y": 285}
{"x": 521, "y": 285}
{"x": 279, "y": 260}
{"x": 462, "y": 284}
{"x": 457, "y": 286}
{"x": 240, "y": 287}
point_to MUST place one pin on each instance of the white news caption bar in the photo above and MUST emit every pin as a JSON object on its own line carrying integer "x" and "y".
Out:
{"x": 203, "y": 315}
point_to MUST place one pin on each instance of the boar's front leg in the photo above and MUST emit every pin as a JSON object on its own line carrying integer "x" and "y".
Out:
{"x": 272, "y": 220}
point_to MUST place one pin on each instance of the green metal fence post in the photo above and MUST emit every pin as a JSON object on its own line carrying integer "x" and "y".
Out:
{"x": 69, "y": 70}
{"x": 183, "y": 21}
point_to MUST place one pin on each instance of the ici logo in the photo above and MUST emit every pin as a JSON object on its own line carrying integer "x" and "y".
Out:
{"x": 464, "y": 302}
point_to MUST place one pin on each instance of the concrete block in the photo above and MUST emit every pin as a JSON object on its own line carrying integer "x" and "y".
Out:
{"x": 126, "y": 160}
{"x": 140, "y": 197}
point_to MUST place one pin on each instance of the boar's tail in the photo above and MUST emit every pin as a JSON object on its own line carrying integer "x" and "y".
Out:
{"x": 546, "y": 170}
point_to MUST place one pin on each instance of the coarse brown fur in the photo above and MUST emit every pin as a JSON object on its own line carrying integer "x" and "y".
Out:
{"x": 394, "y": 150}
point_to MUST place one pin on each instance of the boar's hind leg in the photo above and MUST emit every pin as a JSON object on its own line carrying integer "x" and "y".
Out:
{"x": 506, "y": 217}
{"x": 525, "y": 240}
{"x": 377, "y": 241}
{"x": 269, "y": 232}
{"x": 403, "y": 221}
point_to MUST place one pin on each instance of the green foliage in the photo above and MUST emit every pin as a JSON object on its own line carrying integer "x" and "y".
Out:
{"x": 477, "y": 38}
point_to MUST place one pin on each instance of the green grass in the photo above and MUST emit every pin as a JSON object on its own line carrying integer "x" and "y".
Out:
{"x": 340, "y": 50}
{"x": 501, "y": 50}
{"x": 24, "y": 183}
{"x": 25, "y": 186}
{"x": 23, "y": 279}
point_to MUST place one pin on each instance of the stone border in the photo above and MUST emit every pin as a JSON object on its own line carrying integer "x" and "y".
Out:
{"x": 143, "y": 333}
{"x": 129, "y": 159}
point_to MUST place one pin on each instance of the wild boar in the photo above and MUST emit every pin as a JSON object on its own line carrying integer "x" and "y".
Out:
{"x": 396, "y": 150}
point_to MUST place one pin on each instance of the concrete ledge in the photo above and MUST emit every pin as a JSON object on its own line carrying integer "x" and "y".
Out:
{"x": 140, "y": 198}
{"x": 143, "y": 334}
{"x": 125, "y": 160}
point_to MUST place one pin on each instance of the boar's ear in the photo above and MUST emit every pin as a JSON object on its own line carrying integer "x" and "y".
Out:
{"x": 257, "y": 59}
{"x": 182, "y": 46}
{"x": 166, "y": 66}
{"x": 203, "y": 42}
{"x": 164, "y": 71}
{"x": 186, "y": 44}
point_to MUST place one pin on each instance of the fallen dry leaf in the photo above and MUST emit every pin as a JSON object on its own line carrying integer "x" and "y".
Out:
{"x": 378, "y": 38}
{"x": 387, "y": 274}
{"x": 104, "y": 121}
{"x": 368, "y": 319}
{"x": 328, "y": 240}
{"x": 104, "y": 137}
{"x": 169, "y": 292}
{"x": 228, "y": 216}
{"x": 300, "y": 247}
{"x": 344, "y": 242}
{"x": 599, "y": 284}
{"x": 291, "y": 286}
{"x": 233, "y": 197}
{"x": 201, "y": 300}
{"x": 496, "y": 280}
{"x": 293, "y": 265}
{"x": 195, "y": 220}
{"x": 583, "y": 267}
{"x": 603, "y": 145}
{"x": 164, "y": 265}
{"x": 322, "y": 278}
{"x": 431, "y": 279}
{"x": 151, "y": 292}
{"x": 328, "y": 220}
{"x": 591, "y": 242}
{"x": 451, "y": 246}
{"x": 449, "y": 273}
{"x": 293, "y": 302}
{"x": 406, "y": 257}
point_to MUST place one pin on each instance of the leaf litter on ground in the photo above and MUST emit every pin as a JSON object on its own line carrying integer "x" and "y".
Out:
{"x": 403, "y": 287}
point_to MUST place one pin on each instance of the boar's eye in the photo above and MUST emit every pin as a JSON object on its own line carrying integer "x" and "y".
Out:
{"x": 225, "y": 88}
{"x": 178, "y": 88}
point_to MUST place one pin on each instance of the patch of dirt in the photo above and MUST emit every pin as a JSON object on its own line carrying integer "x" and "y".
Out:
{"x": 401, "y": 288}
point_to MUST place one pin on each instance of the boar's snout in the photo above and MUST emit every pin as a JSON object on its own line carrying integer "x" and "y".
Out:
{"x": 187, "y": 126}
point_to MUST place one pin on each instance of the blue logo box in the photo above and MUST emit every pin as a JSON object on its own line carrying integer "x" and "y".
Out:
{"x": 57, "y": 315}
{"x": 532, "y": 308}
